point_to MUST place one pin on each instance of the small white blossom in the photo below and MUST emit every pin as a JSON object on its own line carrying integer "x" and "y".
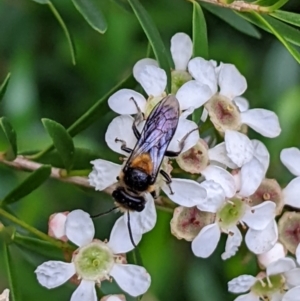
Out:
{"x": 94, "y": 261}
{"x": 280, "y": 282}
{"x": 5, "y": 295}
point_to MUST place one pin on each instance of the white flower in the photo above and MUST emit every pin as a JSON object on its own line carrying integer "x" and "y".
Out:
{"x": 230, "y": 211}
{"x": 94, "y": 261}
{"x": 280, "y": 282}
{"x": 5, "y": 295}
{"x": 56, "y": 225}
{"x": 277, "y": 252}
{"x": 113, "y": 298}
{"x": 231, "y": 85}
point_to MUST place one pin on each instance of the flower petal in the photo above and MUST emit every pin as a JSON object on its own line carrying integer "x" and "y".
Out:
{"x": 292, "y": 295}
{"x": 215, "y": 197}
{"x": 291, "y": 193}
{"x": 206, "y": 241}
{"x": 261, "y": 241}
{"x": 119, "y": 240}
{"x": 121, "y": 102}
{"x": 153, "y": 80}
{"x": 297, "y": 254}
{"x": 241, "y": 284}
{"x": 242, "y": 103}
{"x": 85, "y": 291}
{"x": 261, "y": 153}
{"x": 262, "y": 121}
{"x": 132, "y": 279}
{"x": 144, "y": 221}
{"x": 290, "y": 158}
{"x": 258, "y": 217}
{"x": 121, "y": 128}
{"x": 140, "y": 65}
{"x": 292, "y": 277}
{"x": 247, "y": 297}
{"x": 231, "y": 82}
{"x": 51, "y": 274}
{"x": 204, "y": 72}
{"x": 104, "y": 174}
{"x": 219, "y": 154}
{"x": 184, "y": 127}
{"x": 181, "y": 50}
{"x": 222, "y": 177}
{"x": 79, "y": 227}
{"x": 193, "y": 94}
{"x": 251, "y": 175}
{"x": 239, "y": 147}
{"x": 280, "y": 266}
{"x": 187, "y": 193}
{"x": 277, "y": 252}
{"x": 233, "y": 242}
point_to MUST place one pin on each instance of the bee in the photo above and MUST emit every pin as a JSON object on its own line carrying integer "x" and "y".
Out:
{"x": 143, "y": 165}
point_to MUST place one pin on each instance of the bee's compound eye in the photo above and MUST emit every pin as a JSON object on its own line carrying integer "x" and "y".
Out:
{"x": 118, "y": 178}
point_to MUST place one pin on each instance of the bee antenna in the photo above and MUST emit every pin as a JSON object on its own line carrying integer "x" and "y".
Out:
{"x": 104, "y": 213}
{"x": 129, "y": 229}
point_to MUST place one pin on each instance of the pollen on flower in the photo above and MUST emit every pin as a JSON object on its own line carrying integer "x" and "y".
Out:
{"x": 179, "y": 77}
{"x": 223, "y": 113}
{"x": 195, "y": 159}
{"x": 289, "y": 230}
{"x": 93, "y": 261}
{"x": 187, "y": 222}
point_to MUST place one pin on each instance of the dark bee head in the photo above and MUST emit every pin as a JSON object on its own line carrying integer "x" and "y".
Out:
{"x": 130, "y": 202}
{"x": 136, "y": 179}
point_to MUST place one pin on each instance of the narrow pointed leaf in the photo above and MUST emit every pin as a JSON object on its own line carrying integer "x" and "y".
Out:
{"x": 4, "y": 86}
{"x": 12, "y": 272}
{"x": 270, "y": 5}
{"x": 200, "y": 43}
{"x": 32, "y": 182}
{"x": 287, "y": 45}
{"x": 290, "y": 33}
{"x": 92, "y": 114}
{"x": 62, "y": 141}
{"x": 92, "y": 13}
{"x": 124, "y": 5}
{"x": 234, "y": 20}
{"x": 11, "y": 137}
{"x": 160, "y": 52}
{"x": 63, "y": 26}
{"x": 291, "y": 18}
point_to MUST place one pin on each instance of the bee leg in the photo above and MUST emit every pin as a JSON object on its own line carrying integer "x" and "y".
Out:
{"x": 129, "y": 230}
{"x": 123, "y": 146}
{"x": 168, "y": 179}
{"x": 138, "y": 119}
{"x": 154, "y": 194}
{"x": 181, "y": 145}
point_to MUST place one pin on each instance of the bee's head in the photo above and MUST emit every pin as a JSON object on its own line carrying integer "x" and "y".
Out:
{"x": 137, "y": 179}
{"x": 128, "y": 201}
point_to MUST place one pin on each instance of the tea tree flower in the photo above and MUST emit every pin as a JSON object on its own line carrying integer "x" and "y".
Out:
{"x": 94, "y": 261}
{"x": 276, "y": 253}
{"x": 280, "y": 282}
{"x": 114, "y": 298}
{"x": 5, "y": 295}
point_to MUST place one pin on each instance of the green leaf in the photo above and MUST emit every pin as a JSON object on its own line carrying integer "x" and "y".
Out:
{"x": 270, "y": 5}
{"x": 291, "y": 18}
{"x": 63, "y": 26}
{"x": 12, "y": 272}
{"x": 92, "y": 13}
{"x": 287, "y": 45}
{"x": 11, "y": 137}
{"x": 154, "y": 38}
{"x": 124, "y": 5}
{"x": 62, "y": 141}
{"x": 200, "y": 42}
{"x": 234, "y": 20}
{"x": 32, "y": 182}
{"x": 291, "y": 34}
{"x": 4, "y": 86}
{"x": 39, "y": 246}
{"x": 93, "y": 113}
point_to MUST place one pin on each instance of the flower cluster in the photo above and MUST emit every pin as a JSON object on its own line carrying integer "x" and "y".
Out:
{"x": 229, "y": 194}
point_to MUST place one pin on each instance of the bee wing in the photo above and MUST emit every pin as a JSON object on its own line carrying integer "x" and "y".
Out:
{"x": 158, "y": 131}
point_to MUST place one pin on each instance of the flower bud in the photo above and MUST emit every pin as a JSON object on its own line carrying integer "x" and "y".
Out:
{"x": 187, "y": 222}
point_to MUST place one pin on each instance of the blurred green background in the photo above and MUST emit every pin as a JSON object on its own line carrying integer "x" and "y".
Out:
{"x": 44, "y": 83}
